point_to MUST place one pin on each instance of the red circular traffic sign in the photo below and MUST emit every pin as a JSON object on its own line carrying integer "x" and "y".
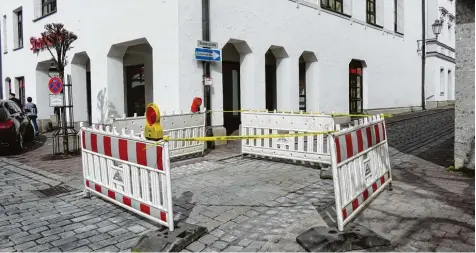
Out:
{"x": 55, "y": 85}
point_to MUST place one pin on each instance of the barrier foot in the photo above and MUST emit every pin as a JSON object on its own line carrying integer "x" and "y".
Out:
{"x": 164, "y": 240}
{"x": 354, "y": 237}
{"x": 86, "y": 194}
{"x": 390, "y": 187}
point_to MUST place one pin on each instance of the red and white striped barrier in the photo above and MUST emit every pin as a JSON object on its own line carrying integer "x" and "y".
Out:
{"x": 129, "y": 171}
{"x": 360, "y": 166}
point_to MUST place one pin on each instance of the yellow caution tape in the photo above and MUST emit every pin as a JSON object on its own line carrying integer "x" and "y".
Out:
{"x": 245, "y": 137}
{"x": 306, "y": 113}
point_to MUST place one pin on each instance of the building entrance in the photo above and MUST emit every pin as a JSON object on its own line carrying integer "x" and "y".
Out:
{"x": 355, "y": 87}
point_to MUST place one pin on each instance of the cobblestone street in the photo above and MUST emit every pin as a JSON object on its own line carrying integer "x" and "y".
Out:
{"x": 248, "y": 204}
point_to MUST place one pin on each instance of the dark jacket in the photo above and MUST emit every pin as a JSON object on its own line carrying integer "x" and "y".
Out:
{"x": 18, "y": 102}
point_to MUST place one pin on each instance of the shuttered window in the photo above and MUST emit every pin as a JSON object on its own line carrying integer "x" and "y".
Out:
{"x": 399, "y": 16}
{"x": 371, "y": 18}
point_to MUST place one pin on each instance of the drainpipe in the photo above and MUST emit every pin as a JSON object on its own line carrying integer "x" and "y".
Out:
{"x": 206, "y": 72}
{"x": 423, "y": 53}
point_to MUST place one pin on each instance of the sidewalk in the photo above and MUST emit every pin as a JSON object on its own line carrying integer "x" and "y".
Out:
{"x": 248, "y": 204}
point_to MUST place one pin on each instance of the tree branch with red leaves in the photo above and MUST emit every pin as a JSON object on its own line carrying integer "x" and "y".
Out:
{"x": 57, "y": 38}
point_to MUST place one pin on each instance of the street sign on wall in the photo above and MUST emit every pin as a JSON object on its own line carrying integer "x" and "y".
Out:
{"x": 206, "y": 54}
{"x": 56, "y": 100}
{"x": 55, "y": 85}
{"x": 209, "y": 44}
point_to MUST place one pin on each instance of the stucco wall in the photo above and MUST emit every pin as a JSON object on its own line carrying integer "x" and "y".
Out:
{"x": 99, "y": 25}
{"x": 391, "y": 77}
{"x": 464, "y": 114}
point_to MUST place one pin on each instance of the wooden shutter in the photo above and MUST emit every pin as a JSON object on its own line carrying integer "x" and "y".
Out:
{"x": 400, "y": 16}
{"x": 379, "y": 12}
{"x": 347, "y": 7}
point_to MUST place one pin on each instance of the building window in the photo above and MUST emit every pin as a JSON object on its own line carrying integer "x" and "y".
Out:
{"x": 333, "y": 5}
{"x": 18, "y": 28}
{"x": 47, "y": 7}
{"x": 450, "y": 85}
{"x": 4, "y": 28}
{"x": 442, "y": 82}
{"x": 399, "y": 16}
{"x": 371, "y": 15}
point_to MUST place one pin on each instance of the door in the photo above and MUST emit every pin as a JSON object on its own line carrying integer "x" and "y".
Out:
{"x": 355, "y": 88}
{"x": 231, "y": 96}
{"x": 135, "y": 90}
{"x": 88, "y": 90}
{"x": 21, "y": 89}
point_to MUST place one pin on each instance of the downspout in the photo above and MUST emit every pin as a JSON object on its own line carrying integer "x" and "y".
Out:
{"x": 423, "y": 53}
{"x": 206, "y": 72}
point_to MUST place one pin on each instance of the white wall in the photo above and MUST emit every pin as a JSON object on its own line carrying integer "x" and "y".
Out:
{"x": 97, "y": 32}
{"x": 392, "y": 77}
{"x": 445, "y": 41}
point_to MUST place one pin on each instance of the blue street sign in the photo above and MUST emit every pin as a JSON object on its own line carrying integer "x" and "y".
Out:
{"x": 206, "y": 54}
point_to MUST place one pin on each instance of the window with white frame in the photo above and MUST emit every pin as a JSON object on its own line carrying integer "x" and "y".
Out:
{"x": 339, "y": 6}
{"x": 18, "y": 28}
{"x": 442, "y": 81}
{"x": 47, "y": 7}
{"x": 399, "y": 16}
{"x": 375, "y": 11}
{"x": 4, "y": 29}
{"x": 450, "y": 84}
{"x": 44, "y": 8}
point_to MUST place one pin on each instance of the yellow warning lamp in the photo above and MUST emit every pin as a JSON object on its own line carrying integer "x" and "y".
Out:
{"x": 153, "y": 130}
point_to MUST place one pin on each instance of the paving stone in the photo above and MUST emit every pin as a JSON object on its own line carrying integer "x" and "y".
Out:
{"x": 117, "y": 231}
{"x": 52, "y": 232}
{"x": 108, "y": 249}
{"x": 74, "y": 244}
{"x": 85, "y": 228}
{"x": 24, "y": 246}
{"x": 137, "y": 229}
{"x": 228, "y": 238}
{"x": 47, "y": 239}
{"x": 99, "y": 237}
{"x": 233, "y": 249}
{"x": 63, "y": 241}
{"x": 27, "y": 238}
{"x": 87, "y": 234}
{"x": 127, "y": 243}
{"x": 66, "y": 234}
{"x": 245, "y": 242}
{"x": 39, "y": 248}
{"x": 208, "y": 239}
{"x": 219, "y": 245}
{"x": 104, "y": 229}
{"x": 82, "y": 249}
{"x": 196, "y": 246}
{"x": 60, "y": 224}
{"x": 38, "y": 230}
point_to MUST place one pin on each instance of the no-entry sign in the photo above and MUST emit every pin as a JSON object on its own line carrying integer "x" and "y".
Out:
{"x": 55, "y": 85}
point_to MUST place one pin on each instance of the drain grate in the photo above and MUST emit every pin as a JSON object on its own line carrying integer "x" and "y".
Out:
{"x": 52, "y": 191}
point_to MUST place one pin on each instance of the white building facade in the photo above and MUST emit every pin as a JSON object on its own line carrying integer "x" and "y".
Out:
{"x": 440, "y": 53}
{"x": 332, "y": 55}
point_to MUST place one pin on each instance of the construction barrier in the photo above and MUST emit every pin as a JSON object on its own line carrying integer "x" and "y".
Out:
{"x": 128, "y": 171}
{"x": 360, "y": 166}
{"x": 308, "y": 147}
{"x": 189, "y": 125}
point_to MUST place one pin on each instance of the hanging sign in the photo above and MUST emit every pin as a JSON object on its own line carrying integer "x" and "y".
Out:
{"x": 55, "y": 85}
{"x": 56, "y": 100}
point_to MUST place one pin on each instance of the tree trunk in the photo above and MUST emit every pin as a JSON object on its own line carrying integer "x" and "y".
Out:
{"x": 63, "y": 115}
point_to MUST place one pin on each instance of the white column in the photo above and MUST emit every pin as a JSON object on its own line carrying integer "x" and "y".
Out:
{"x": 252, "y": 74}
{"x": 287, "y": 83}
{"x": 312, "y": 87}
{"x": 114, "y": 101}
{"x": 217, "y": 94}
{"x": 166, "y": 84}
{"x": 149, "y": 79}
{"x": 80, "y": 99}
